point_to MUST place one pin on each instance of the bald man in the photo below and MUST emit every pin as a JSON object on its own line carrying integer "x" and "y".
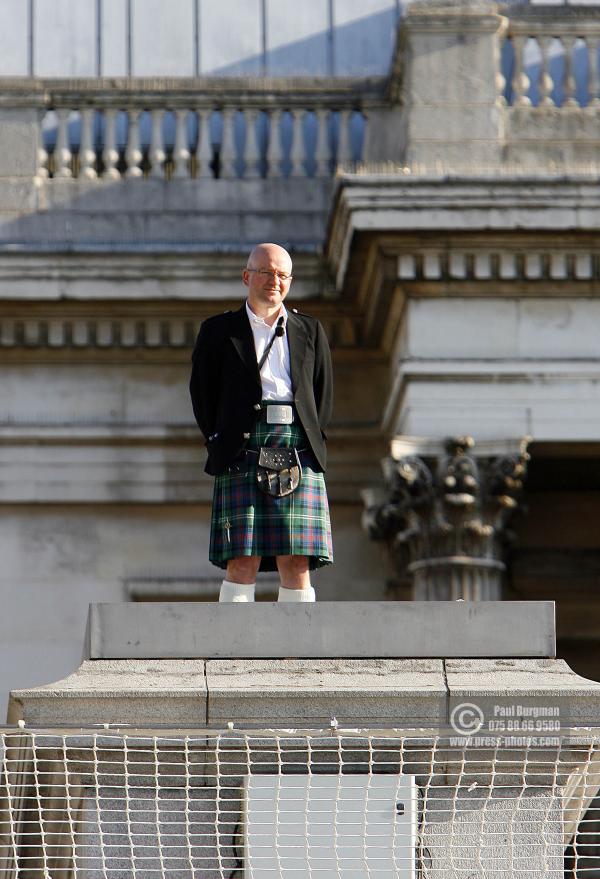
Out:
{"x": 241, "y": 409}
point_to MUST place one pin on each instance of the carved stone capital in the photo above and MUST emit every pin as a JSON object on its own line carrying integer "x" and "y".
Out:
{"x": 445, "y": 513}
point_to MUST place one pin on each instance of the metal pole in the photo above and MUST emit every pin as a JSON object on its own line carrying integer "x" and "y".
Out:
{"x": 98, "y": 38}
{"x": 330, "y": 41}
{"x": 197, "y": 38}
{"x": 128, "y": 27}
{"x": 30, "y": 47}
{"x": 263, "y": 25}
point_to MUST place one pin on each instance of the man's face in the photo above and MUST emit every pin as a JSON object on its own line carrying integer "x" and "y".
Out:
{"x": 268, "y": 278}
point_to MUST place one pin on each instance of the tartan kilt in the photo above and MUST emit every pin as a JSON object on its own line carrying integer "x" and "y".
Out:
{"x": 246, "y": 522}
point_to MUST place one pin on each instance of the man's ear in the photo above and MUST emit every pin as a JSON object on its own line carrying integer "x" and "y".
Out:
{"x": 245, "y": 278}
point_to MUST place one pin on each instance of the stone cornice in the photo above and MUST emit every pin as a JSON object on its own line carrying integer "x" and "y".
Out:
{"x": 260, "y": 92}
{"x": 388, "y": 203}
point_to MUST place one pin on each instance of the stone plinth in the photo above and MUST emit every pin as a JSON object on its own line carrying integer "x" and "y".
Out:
{"x": 375, "y": 664}
{"x": 327, "y": 629}
{"x": 362, "y": 667}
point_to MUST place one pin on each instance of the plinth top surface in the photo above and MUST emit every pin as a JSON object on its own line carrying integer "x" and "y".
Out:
{"x": 328, "y": 629}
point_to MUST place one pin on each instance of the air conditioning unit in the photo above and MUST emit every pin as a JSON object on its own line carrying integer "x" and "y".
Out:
{"x": 330, "y": 827}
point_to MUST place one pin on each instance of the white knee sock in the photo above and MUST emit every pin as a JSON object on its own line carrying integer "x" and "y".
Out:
{"x": 306, "y": 594}
{"x": 236, "y": 591}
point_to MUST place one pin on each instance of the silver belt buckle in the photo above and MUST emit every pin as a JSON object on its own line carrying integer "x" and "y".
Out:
{"x": 279, "y": 414}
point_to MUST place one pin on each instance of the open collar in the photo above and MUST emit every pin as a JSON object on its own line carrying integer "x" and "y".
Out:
{"x": 243, "y": 340}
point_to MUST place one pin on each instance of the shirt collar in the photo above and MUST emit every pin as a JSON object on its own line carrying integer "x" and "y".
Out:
{"x": 254, "y": 318}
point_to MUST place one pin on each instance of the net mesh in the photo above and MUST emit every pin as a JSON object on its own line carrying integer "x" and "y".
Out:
{"x": 288, "y": 805}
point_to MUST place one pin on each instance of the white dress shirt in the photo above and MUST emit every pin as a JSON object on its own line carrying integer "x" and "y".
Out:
{"x": 275, "y": 375}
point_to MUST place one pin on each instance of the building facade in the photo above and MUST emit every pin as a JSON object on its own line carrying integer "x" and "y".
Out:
{"x": 439, "y": 198}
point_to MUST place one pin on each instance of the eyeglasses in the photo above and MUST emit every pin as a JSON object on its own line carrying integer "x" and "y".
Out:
{"x": 271, "y": 273}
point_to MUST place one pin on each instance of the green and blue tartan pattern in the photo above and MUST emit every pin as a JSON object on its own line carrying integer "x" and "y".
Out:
{"x": 246, "y": 522}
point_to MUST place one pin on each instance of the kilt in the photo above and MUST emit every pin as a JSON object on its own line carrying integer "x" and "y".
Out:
{"x": 246, "y": 522}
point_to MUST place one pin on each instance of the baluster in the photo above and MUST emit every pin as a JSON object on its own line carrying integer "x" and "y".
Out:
{"x": 227, "y": 155}
{"x": 157, "y": 153}
{"x": 252, "y": 150}
{"x": 367, "y": 133}
{"x": 62, "y": 152}
{"x": 593, "y": 83}
{"x": 520, "y": 81}
{"x": 42, "y": 163}
{"x": 500, "y": 82}
{"x": 274, "y": 151}
{"x": 322, "y": 167}
{"x": 570, "y": 83}
{"x": 204, "y": 151}
{"x": 545, "y": 82}
{"x": 134, "y": 153}
{"x": 181, "y": 153}
{"x": 344, "y": 150}
{"x": 297, "y": 145}
{"x": 86, "y": 152}
{"x": 110, "y": 155}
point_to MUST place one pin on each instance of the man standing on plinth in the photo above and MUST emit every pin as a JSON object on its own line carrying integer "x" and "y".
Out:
{"x": 261, "y": 390}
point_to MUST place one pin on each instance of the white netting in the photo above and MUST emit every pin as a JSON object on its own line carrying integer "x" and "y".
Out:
{"x": 295, "y": 805}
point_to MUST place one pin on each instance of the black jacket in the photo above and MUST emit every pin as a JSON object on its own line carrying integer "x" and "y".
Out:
{"x": 225, "y": 383}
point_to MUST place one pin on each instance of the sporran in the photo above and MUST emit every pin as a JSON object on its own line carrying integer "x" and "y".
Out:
{"x": 278, "y": 472}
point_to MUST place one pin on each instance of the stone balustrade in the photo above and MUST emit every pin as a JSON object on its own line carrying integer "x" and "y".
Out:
{"x": 519, "y": 95}
{"x": 552, "y": 58}
{"x": 204, "y": 129}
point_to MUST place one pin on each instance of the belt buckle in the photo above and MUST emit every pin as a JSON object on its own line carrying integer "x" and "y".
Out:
{"x": 279, "y": 414}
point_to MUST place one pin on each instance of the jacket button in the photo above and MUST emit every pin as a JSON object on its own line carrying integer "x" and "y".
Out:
{"x": 246, "y": 436}
{"x": 257, "y": 407}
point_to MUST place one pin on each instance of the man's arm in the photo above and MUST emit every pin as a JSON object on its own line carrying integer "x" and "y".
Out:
{"x": 204, "y": 384}
{"x": 323, "y": 378}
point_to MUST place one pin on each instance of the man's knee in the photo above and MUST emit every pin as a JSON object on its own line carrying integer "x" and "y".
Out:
{"x": 297, "y": 564}
{"x": 243, "y": 569}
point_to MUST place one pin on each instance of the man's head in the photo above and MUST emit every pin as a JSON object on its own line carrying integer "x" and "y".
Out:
{"x": 268, "y": 275}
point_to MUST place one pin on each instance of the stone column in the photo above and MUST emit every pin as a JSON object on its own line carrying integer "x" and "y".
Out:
{"x": 451, "y": 85}
{"x": 446, "y": 512}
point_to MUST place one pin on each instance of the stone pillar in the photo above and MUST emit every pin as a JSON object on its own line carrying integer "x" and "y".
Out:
{"x": 20, "y": 129}
{"x": 451, "y": 85}
{"x": 446, "y": 514}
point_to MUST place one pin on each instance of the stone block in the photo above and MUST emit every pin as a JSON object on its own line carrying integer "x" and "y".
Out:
{"x": 545, "y": 693}
{"x": 559, "y": 328}
{"x": 461, "y": 156}
{"x": 311, "y": 692}
{"x": 441, "y": 122}
{"x": 19, "y": 141}
{"x": 364, "y": 629}
{"x": 18, "y": 196}
{"x": 146, "y": 693}
{"x": 451, "y": 327}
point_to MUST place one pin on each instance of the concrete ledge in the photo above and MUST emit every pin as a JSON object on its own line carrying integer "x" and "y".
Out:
{"x": 370, "y": 629}
{"x": 139, "y": 693}
{"x": 406, "y": 692}
{"x": 539, "y": 697}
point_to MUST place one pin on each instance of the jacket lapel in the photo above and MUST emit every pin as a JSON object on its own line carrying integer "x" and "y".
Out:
{"x": 243, "y": 342}
{"x": 297, "y": 343}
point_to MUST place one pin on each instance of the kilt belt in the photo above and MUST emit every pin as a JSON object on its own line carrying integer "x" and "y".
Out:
{"x": 246, "y": 522}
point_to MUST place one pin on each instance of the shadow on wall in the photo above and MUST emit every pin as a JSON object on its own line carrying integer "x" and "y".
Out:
{"x": 236, "y": 38}
{"x": 362, "y": 47}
